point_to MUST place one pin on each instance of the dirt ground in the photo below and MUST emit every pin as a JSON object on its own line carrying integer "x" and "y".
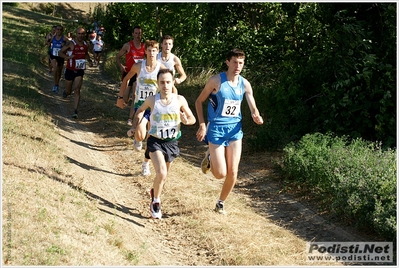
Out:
{"x": 100, "y": 161}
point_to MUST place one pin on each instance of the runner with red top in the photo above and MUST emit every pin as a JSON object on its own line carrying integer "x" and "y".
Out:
{"x": 76, "y": 54}
{"x": 134, "y": 52}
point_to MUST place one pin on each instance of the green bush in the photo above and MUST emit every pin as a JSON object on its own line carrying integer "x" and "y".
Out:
{"x": 357, "y": 177}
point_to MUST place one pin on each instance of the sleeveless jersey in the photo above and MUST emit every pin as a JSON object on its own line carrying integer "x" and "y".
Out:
{"x": 134, "y": 55}
{"x": 98, "y": 45}
{"x": 224, "y": 107}
{"x": 56, "y": 45}
{"x": 170, "y": 63}
{"x": 79, "y": 61}
{"x": 165, "y": 119}
{"x": 147, "y": 84}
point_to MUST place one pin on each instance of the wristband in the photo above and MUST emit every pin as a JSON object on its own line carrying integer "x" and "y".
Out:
{"x": 120, "y": 97}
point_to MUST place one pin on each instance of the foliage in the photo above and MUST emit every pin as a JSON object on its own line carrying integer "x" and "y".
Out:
{"x": 313, "y": 66}
{"x": 356, "y": 178}
{"x": 13, "y": 4}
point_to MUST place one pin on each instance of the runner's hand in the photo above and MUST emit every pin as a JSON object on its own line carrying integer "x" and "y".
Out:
{"x": 257, "y": 119}
{"x": 121, "y": 103}
{"x": 201, "y": 132}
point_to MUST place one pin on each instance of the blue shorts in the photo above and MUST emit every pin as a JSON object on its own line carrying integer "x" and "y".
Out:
{"x": 223, "y": 134}
{"x": 147, "y": 113}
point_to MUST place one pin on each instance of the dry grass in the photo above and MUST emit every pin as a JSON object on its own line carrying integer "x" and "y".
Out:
{"x": 72, "y": 193}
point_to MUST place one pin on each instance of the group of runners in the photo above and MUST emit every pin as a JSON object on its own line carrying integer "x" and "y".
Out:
{"x": 75, "y": 51}
{"x": 149, "y": 81}
{"x": 157, "y": 110}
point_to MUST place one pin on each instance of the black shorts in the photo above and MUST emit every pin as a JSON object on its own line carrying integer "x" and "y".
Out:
{"x": 71, "y": 75}
{"x": 60, "y": 61}
{"x": 97, "y": 52}
{"x": 132, "y": 80}
{"x": 170, "y": 149}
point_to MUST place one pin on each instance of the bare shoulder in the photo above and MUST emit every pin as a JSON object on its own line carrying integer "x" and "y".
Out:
{"x": 247, "y": 84}
{"x": 181, "y": 98}
{"x": 214, "y": 80}
{"x": 176, "y": 59}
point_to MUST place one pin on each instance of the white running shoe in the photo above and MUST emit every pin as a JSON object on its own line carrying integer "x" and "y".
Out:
{"x": 220, "y": 208}
{"x": 155, "y": 208}
{"x": 145, "y": 169}
{"x": 138, "y": 145}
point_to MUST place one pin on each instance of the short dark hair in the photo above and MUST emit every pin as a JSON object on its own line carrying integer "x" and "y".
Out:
{"x": 236, "y": 52}
{"x": 166, "y": 37}
{"x": 136, "y": 27}
{"x": 164, "y": 71}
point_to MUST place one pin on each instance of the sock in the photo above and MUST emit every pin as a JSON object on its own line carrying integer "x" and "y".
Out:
{"x": 146, "y": 163}
{"x": 157, "y": 200}
{"x": 220, "y": 201}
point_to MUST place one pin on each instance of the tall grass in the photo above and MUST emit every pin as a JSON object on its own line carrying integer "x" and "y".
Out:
{"x": 354, "y": 179}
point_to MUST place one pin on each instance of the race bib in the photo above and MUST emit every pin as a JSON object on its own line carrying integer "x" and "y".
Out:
{"x": 55, "y": 51}
{"x": 231, "y": 108}
{"x": 138, "y": 60}
{"x": 167, "y": 132}
{"x": 80, "y": 64}
{"x": 144, "y": 92}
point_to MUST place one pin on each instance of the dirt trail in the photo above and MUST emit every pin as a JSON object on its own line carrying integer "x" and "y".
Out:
{"x": 99, "y": 166}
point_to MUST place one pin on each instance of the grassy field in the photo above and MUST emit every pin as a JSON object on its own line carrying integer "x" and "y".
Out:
{"x": 71, "y": 193}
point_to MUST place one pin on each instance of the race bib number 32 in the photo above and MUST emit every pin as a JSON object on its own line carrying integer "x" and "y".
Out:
{"x": 231, "y": 108}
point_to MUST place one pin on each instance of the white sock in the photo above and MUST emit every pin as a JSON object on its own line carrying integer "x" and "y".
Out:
{"x": 157, "y": 200}
{"x": 146, "y": 163}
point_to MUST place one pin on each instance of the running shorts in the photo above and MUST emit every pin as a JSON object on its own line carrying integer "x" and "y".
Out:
{"x": 70, "y": 75}
{"x": 60, "y": 61}
{"x": 223, "y": 134}
{"x": 170, "y": 149}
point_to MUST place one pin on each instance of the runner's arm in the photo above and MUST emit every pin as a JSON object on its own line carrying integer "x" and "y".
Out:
{"x": 134, "y": 70}
{"x": 148, "y": 103}
{"x": 180, "y": 70}
{"x": 213, "y": 84}
{"x": 122, "y": 52}
{"x": 186, "y": 115}
{"x": 252, "y": 104}
{"x": 63, "y": 50}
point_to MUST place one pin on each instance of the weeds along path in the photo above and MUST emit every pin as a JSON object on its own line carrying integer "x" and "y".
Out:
{"x": 105, "y": 167}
